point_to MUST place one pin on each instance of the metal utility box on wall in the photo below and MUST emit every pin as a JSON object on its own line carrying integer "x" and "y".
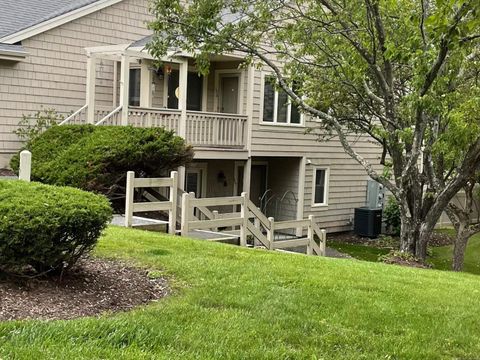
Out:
{"x": 375, "y": 194}
{"x": 368, "y": 221}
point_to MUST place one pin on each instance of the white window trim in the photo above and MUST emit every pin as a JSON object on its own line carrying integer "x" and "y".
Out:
{"x": 326, "y": 187}
{"x": 275, "y": 107}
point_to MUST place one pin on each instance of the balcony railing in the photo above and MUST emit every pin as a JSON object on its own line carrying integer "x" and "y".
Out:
{"x": 203, "y": 129}
{"x": 216, "y": 129}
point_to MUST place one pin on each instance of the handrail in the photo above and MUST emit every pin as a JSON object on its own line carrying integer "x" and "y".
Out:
{"x": 115, "y": 111}
{"x": 154, "y": 109}
{"x": 73, "y": 115}
{"x": 225, "y": 115}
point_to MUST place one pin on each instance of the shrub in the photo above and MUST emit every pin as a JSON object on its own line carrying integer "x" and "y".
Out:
{"x": 48, "y": 227}
{"x": 97, "y": 158}
{"x": 391, "y": 216}
{"x": 32, "y": 126}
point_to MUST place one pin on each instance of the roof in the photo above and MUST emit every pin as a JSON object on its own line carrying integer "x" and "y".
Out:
{"x": 142, "y": 42}
{"x": 12, "y": 52}
{"x": 21, "y": 14}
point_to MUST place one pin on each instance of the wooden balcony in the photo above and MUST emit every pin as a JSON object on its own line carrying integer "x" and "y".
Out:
{"x": 202, "y": 129}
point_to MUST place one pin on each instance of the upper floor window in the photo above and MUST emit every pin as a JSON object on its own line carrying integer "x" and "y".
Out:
{"x": 134, "y": 88}
{"x": 320, "y": 186}
{"x": 277, "y": 107}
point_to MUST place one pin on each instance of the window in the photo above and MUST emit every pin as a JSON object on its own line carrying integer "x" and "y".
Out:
{"x": 134, "y": 88}
{"x": 277, "y": 107}
{"x": 194, "y": 90}
{"x": 320, "y": 186}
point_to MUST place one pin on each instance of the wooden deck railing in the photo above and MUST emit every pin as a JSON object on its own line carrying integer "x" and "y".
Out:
{"x": 150, "y": 117}
{"x": 79, "y": 117}
{"x": 204, "y": 129}
{"x": 216, "y": 129}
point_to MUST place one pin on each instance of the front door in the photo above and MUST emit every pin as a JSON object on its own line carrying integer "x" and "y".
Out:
{"x": 229, "y": 92}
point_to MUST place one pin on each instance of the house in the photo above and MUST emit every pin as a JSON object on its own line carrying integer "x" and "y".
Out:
{"x": 87, "y": 59}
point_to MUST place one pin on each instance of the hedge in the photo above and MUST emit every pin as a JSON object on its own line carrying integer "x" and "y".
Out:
{"x": 97, "y": 158}
{"x": 48, "y": 227}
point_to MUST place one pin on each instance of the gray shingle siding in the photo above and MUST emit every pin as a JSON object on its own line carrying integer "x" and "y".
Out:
{"x": 17, "y": 15}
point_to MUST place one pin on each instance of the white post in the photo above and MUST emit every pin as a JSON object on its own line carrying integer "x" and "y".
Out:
{"x": 323, "y": 243}
{"x": 129, "y": 194}
{"x": 244, "y": 216}
{"x": 172, "y": 214}
{"x": 185, "y": 214}
{"x": 250, "y": 94}
{"x": 115, "y": 82}
{"x": 182, "y": 100}
{"x": 181, "y": 177}
{"x": 90, "y": 91}
{"x": 256, "y": 223}
{"x": 247, "y": 174}
{"x": 215, "y": 217}
{"x": 271, "y": 233}
{"x": 192, "y": 196}
{"x": 145, "y": 85}
{"x": 124, "y": 87}
{"x": 310, "y": 235}
{"x": 301, "y": 192}
{"x": 25, "y": 169}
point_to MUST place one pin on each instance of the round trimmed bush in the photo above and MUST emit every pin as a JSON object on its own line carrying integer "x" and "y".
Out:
{"x": 48, "y": 227}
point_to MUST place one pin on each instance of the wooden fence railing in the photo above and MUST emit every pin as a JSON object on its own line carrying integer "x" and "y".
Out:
{"x": 132, "y": 207}
{"x": 251, "y": 221}
{"x": 191, "y": 222}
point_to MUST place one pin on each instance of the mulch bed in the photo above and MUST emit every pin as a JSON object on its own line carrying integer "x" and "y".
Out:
{"x": 93, "y": 287}
{"x": 397, "y": 260}
{"x": 6, "y": 172}
{"x": 437, "y": 239}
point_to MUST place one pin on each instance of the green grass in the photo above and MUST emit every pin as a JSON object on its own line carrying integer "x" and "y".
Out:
{"x": 442, "y": 256}
{"x": 234, "y": 303}
{"x": 360, "y": 252}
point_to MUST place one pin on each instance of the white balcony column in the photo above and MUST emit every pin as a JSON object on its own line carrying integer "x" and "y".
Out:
{"x": 182, "y": 98}
{"x": 124, "y": 87}
{"x": 250, "y": 92}
{"x": 302, "y": 168}
{"x": 145, "y": 85}
{"x": 90, "y": 91}
{"x": 247, "y": 174}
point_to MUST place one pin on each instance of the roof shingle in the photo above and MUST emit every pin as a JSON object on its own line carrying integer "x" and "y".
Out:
{"x": 18, "y": 15}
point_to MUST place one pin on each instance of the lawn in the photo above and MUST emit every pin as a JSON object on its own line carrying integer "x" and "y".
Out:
{"x": 234, "y": 303}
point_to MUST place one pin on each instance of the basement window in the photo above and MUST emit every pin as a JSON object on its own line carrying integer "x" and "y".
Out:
{"x": 320, "y": 186}
{"x": 277, "y": 107}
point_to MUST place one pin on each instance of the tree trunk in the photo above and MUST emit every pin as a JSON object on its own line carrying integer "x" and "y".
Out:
{"x": 459, "y": 248}
{"x": 408, "y": 235}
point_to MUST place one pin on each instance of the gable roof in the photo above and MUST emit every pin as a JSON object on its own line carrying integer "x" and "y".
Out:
{"x": 12, "y": 52}
{"x": 20, "y": 19}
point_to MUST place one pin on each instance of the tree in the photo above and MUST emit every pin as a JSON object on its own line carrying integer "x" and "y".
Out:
{"x": 465, "y": 227}
{"x": 402, "y": 72}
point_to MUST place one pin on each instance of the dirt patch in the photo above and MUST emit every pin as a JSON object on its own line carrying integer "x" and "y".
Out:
{"x": 441, "y": 239}
{"x": 93, "y": 287}
{"x": 384, "y": 242}
{"x": 387, "y": 242}
{"x": 6, "y": 172}
{"x": 402, "y": 261}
